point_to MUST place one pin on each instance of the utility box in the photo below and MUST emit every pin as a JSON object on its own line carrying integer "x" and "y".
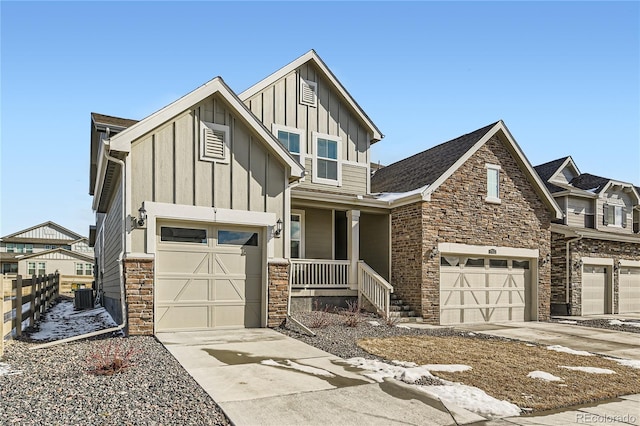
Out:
{"x": 83, "y": 299}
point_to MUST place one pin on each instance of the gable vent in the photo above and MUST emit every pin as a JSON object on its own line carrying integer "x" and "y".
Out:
{"x": 308, "y": 92}
{"x": 214, "y": 142}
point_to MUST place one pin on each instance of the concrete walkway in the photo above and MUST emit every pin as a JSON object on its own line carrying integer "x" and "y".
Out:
{"x": 259, "y": 376}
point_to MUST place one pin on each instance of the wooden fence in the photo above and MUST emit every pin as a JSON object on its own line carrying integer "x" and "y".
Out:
{"x": 37, "y": 293}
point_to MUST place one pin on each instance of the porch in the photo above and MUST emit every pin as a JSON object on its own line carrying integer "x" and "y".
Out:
{"x": 339, "y": 254}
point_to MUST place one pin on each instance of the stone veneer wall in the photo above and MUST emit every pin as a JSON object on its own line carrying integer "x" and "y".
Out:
{"x": 559, "y": 303}
{"x": 138, "y": 281}
{"x": 602, "y": 249}
{"x": 458, "y": 213}
{"x": 278, "y": 292}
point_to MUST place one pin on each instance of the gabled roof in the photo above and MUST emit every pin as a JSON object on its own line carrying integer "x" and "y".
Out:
{"x": 70, "y": 253}
{"x": 51, "y": 224}
{"x": 589, "y": 182}
{"x": 115, "y": 123}
{"x": 426, "y": 171}
{"x": 547, "y": 170}
{"x": 312, "y": 56}
{"x": 425, "y": 167}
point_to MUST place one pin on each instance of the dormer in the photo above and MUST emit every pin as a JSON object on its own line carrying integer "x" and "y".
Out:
{"x": 565, "y": 173}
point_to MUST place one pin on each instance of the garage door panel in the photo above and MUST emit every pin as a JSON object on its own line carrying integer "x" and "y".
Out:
{"x": 182, "y": 261}
{"x": 204, "y": 286}
{"x": 182, "y": 317}
{"x": 629, "y": 290}
{"x": 177, "y": 290}
{"x": 594, "y": 290}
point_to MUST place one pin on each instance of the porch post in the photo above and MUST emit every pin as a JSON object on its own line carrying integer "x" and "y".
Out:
{"x": 353, "y": 246}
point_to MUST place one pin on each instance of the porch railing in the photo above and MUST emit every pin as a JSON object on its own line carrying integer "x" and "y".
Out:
{"x": 374, "y": 288}
{"x": 319, "y": 273}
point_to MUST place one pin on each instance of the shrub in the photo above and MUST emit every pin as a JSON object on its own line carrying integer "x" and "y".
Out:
{"x": 352, "y": 313}
{"x": 111, "y": 358}
{"x": 319, "y": 317}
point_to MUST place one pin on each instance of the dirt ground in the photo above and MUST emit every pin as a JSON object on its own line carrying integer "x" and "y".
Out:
{"x": 500, "y": 368}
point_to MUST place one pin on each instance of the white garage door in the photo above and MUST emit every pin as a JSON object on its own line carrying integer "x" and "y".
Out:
{"x": 207, "y": 277}
{"x": 629, "y": 290}
{"x": 475, "y": 289}
{"x": 594, "y": 289}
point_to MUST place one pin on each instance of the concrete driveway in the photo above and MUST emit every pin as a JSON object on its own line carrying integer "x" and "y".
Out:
{"x": 259, "y": 376}
{"x": 606, "y": 342}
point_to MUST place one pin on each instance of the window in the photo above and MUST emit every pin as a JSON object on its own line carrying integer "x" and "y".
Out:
{"x": 214, "y": 142}
{"x": 50, "y": 247}
{"x": 237, "y": 238}
{"x": 79, "y": 269}
{"x": 9, "y": 268}
{"x": 498, "y": 263}
{"x": 292, "y": 139}
{"x": 36, "y": 268}
{"x": 41, "y": 268}
{"x": 183, "y": 235}
{"x": 520, "y": 264}
{"x": 326, "y": 159}
{"x": 31, "y": 268}
{"x": 11, "y": 248}
{"x": 614, "y": 215}
{"x": 88, "y": 268}
{"x": 474, "y": 263}
{"x": 28, "y": 248}
{"x": 493, "y": 183}
{"x": 297, "y": 232}
{"x": 308, "y": 92}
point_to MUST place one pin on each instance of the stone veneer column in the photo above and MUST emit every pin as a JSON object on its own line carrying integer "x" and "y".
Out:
{"x": 278, "y": 292}
{"x": 138, "y": 282}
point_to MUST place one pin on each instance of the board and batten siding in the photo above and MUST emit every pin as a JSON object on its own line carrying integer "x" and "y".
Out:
{"x": 318, "y": 229}
{"x": 279, "y": 104}
{"x": 46, "y": 232}
{"x": 166, "y": 168}
{"x": 578, "y": 210}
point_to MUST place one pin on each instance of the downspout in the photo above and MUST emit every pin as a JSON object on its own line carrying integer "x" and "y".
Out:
{"x": 108, "y": 157}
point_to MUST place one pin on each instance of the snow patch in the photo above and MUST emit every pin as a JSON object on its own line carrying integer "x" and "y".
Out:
{"x": 615, "y": 322}
{"x": 472, "y": 399}
{"x": 543, "y": 375}
{"x": 567, "y": 322}
{"x": 299, "y": 367}
{"x": 392, "y": 196}
{"x": 566, "y": 350}
{"x": 5, "y": 370}
{"x": 374, "y": 323}
{"x": 401, "y": 370}
{"x": 61, "y": 322}
{"x": 633, "y": 363}
{"x": 593, "y": 370}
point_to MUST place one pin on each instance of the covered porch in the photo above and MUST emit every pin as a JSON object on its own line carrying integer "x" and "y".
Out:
{"x": 339, "y": 253}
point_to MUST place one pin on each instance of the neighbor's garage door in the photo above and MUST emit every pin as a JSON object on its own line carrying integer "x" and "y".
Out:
{"x": 207, "y": 277}
{"x": 594, "y": 289}
{"x": 475, "y": 289}
{"x": 629, "y": 290}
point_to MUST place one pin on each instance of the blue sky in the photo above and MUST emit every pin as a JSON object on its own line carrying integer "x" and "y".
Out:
{"x": 564, "y": 76}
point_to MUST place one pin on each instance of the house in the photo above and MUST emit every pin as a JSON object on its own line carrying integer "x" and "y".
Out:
{"x": 470, "y": 230}
{"x": 46, "y": 248}
{"x": 596, "y": 247}
{"x": 229, "y": 210}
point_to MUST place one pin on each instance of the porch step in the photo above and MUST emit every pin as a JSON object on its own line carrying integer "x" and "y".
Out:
{"x": 401, "y": 312}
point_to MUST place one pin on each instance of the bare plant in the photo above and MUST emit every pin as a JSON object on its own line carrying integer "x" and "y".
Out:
{"x": 391, "y": 320}
{"x": 113, "y": 357}
{"x": 352, "y": 313}
{"x": 320, "y": 317}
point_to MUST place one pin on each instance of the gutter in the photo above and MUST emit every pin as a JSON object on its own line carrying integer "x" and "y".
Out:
{"x": 120, "y": 259}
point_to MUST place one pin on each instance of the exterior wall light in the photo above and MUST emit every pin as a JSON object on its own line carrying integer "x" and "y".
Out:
{"x": 434, "y": 252}
{"x": 617, "y": 265}
{"x": 578, "y": 264}
{"x": 278, "y": 231}
{"x": 546, "y": 259}
{"x": 142, "y": 217}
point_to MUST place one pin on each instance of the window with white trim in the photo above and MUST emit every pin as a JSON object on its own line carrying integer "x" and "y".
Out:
{"x": 36, "y": 268}
{"x": 308, "y": 92}
{"x": 493, "y": 183}
{"x": 41, "y": 268}
{"x": 614, "y": 215}
{"x": 326, "y": 159}
{"x": 297, "y": 234}
{"x": 292, "y": 139}
{"x": 79, "y": 268}
{"x": 88, "y": 268}
{"x": 214, "y": 142}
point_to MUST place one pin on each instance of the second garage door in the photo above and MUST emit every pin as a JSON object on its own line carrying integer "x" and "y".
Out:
{"x": 207, "y": 277}
{"x": 629, "y": 290}
{"x": 476, "y": 289}
{"x": 594, "y": 289}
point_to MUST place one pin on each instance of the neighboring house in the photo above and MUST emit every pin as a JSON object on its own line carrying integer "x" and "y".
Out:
{"x": 596, "y": 247}
{"x": 470, "y": 230}
{"x": 45, "y": 249}
{"x": 209, "y": 210}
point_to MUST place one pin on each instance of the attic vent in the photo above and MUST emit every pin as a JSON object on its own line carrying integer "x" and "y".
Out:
{"x": 308, "y": 92}
{"x": 214, "y": 142}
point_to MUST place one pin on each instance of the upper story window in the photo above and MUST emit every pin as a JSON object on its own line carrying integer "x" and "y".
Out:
{"x": 36, "y": 268}
{"x": 493, "y": 183}
{"x": 292, "y": 139}
{"x": 614, "y": 216}
{"x": 326, "y": 159}
{"x": 19, "y": 248}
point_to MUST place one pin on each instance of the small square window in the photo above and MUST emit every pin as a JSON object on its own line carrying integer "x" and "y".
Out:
{"x": 292, "y": 139}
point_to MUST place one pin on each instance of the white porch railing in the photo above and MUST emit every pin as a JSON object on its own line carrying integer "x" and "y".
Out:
{"x": 374, "y": 288}
{"x": 319, "y": 273}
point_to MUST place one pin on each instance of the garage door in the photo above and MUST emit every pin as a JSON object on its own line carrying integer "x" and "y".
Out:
{"x": 476, "y": 289}
{"x": 594, "y": 289}
{"x": 629, "y": 290}
{"x": 207, "y": 277}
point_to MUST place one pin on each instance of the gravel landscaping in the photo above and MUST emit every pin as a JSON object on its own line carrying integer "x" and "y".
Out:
{"x": 630, "y": 326}
{"x": 58, "y": 386}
